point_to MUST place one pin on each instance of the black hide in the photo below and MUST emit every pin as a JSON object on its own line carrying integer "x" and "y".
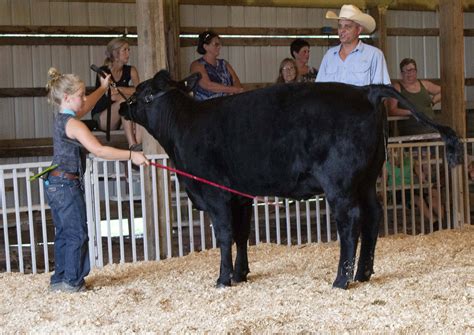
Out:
{"x": 290, "y": 140}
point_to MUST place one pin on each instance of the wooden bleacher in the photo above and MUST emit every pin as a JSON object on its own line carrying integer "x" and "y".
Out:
{"x": 37, "y": 147}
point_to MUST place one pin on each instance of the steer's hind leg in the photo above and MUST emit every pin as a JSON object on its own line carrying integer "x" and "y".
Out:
{"x": 241, "y": 215}
{"x": 221, "y": 222}
{"x": 347, "y": 214}
{"x": 369, "y": 233}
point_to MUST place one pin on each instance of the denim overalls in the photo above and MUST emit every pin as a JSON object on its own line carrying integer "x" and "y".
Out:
{"x": 68, "y": 208}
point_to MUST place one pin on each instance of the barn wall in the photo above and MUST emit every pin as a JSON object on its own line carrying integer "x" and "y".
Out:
{"x": 252, "y": 64}
{"x": 26, "y": 66}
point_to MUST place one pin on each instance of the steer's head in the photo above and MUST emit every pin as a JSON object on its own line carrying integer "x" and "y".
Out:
{"x": 143, "y": 106}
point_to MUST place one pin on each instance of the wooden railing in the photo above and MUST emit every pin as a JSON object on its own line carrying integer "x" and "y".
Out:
{"x": 40, "y": 147}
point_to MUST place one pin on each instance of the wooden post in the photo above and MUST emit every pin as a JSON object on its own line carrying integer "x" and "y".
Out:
{"x": 451, "y": 46}
{"x": 379, "y": 13}
{"x": 151, "y": 58}
{"x": 172, "y": 34}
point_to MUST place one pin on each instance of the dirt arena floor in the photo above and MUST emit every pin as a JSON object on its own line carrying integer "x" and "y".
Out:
{"x": 422, "y": 284}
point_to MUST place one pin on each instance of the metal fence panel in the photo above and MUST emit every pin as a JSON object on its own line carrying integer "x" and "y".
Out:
{"x": 118, "y": 233}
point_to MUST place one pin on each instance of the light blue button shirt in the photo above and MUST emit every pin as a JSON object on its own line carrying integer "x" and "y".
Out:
{"x": 363, "y": 66}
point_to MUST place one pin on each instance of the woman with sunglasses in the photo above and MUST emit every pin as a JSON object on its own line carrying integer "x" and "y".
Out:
{"x": 422, "y": 93}
{"x": 218, "y": 78}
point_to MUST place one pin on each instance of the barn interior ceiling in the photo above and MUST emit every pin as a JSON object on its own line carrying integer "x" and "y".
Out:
{"x": 392, "y": 4}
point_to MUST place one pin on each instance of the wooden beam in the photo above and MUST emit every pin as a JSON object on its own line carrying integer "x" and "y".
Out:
{"x": 96, "y": 30}
{"x": 186, "y": 41}
{"x": 261, "y": 42}
{"x": 67, "y": 30}
{"x": 258, "y": 31}
{"x": 412, "y": 31}
{"x": 57, "y": 41}
{"x": 172, "y": 37}
{"x": 43, "y": 147}
{"x": 152, "y": 56}
{"x": 419, "y": 5}
{"x": 379, "y": 13}
{"x": 99, "y": 1}
{"x": 31, "y": 92}
{"x": 451, "y": 23}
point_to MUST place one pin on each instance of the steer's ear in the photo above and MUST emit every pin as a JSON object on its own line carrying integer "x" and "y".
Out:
{"x": 161, "y": 81}
{"x": 188, "y": 83}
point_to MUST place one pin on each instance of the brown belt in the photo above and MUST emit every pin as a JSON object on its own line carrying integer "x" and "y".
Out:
{"x": 59, "y": 173}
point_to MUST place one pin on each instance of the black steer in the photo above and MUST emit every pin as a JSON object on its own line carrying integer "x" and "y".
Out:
{"x": 293, "y": 140}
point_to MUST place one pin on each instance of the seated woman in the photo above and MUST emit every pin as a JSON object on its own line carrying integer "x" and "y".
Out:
{"x": 422, "y": 93}
{"x": 218, "y": 76}
{"x": 299, "y": 50}
{"x": 288, "y": 71}
{"x": 126, "y": 79}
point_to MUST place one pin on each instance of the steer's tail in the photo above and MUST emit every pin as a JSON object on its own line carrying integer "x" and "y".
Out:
{"x": 454, "y": 148}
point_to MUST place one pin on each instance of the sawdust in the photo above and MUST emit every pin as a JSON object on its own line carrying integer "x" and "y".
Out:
{"x": 422, "y": 284}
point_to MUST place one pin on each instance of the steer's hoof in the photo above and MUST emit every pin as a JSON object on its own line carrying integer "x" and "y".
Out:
{"x": 341, "y": 283}
{"x": 239, "y": 278}
{"x": 363, "y": 276}
{"x": 220, "y": 284}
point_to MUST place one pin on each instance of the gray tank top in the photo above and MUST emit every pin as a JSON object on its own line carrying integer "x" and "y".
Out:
{"x": 66, "y": 154}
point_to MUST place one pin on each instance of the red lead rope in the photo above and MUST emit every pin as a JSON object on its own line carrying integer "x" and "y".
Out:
{"x": 202, "y": 180}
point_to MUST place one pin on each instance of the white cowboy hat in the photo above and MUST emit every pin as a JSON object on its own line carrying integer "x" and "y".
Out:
{"x": 351, "y": 12}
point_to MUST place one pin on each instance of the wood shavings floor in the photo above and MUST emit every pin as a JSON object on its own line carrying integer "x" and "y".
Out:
{"x": 422, "y": 284}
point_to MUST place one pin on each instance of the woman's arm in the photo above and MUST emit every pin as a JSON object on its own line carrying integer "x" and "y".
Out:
{"x": 91, "y": 99}
{"x": 77, "y": 130}
{"x": 134, "y": 75}
{"x": 434, "y": 90}
{"x": 393, "y": 109}
{"x": 209, "y": 85}
{"x": 235, "y": 77}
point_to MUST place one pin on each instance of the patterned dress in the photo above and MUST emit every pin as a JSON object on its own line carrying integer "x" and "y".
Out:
{"x": 217, "y": 74}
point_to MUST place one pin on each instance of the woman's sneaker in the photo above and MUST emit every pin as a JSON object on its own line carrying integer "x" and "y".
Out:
{"x": 55, "y": 286}
{"x": 65, "y": 287}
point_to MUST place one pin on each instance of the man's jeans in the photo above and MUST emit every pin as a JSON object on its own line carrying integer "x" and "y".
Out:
{"x": 71, "y": 256}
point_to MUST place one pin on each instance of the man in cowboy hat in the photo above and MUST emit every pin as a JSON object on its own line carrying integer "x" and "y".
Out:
{"x": 353, "y": 62}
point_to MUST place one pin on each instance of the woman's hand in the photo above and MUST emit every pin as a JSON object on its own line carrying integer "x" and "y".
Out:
{"x": 105, "y": 82}
{"x": 138, "y": 158}
{"x": 237, "y": 90}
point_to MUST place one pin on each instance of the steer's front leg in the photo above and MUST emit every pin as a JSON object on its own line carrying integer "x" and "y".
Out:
{"x": 221, "y": 222}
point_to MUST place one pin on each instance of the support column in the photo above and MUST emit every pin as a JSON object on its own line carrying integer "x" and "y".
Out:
{"x": 379, "y": 13}
{"x": 151, "y": 58}
{"x": 451, "y": 46}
